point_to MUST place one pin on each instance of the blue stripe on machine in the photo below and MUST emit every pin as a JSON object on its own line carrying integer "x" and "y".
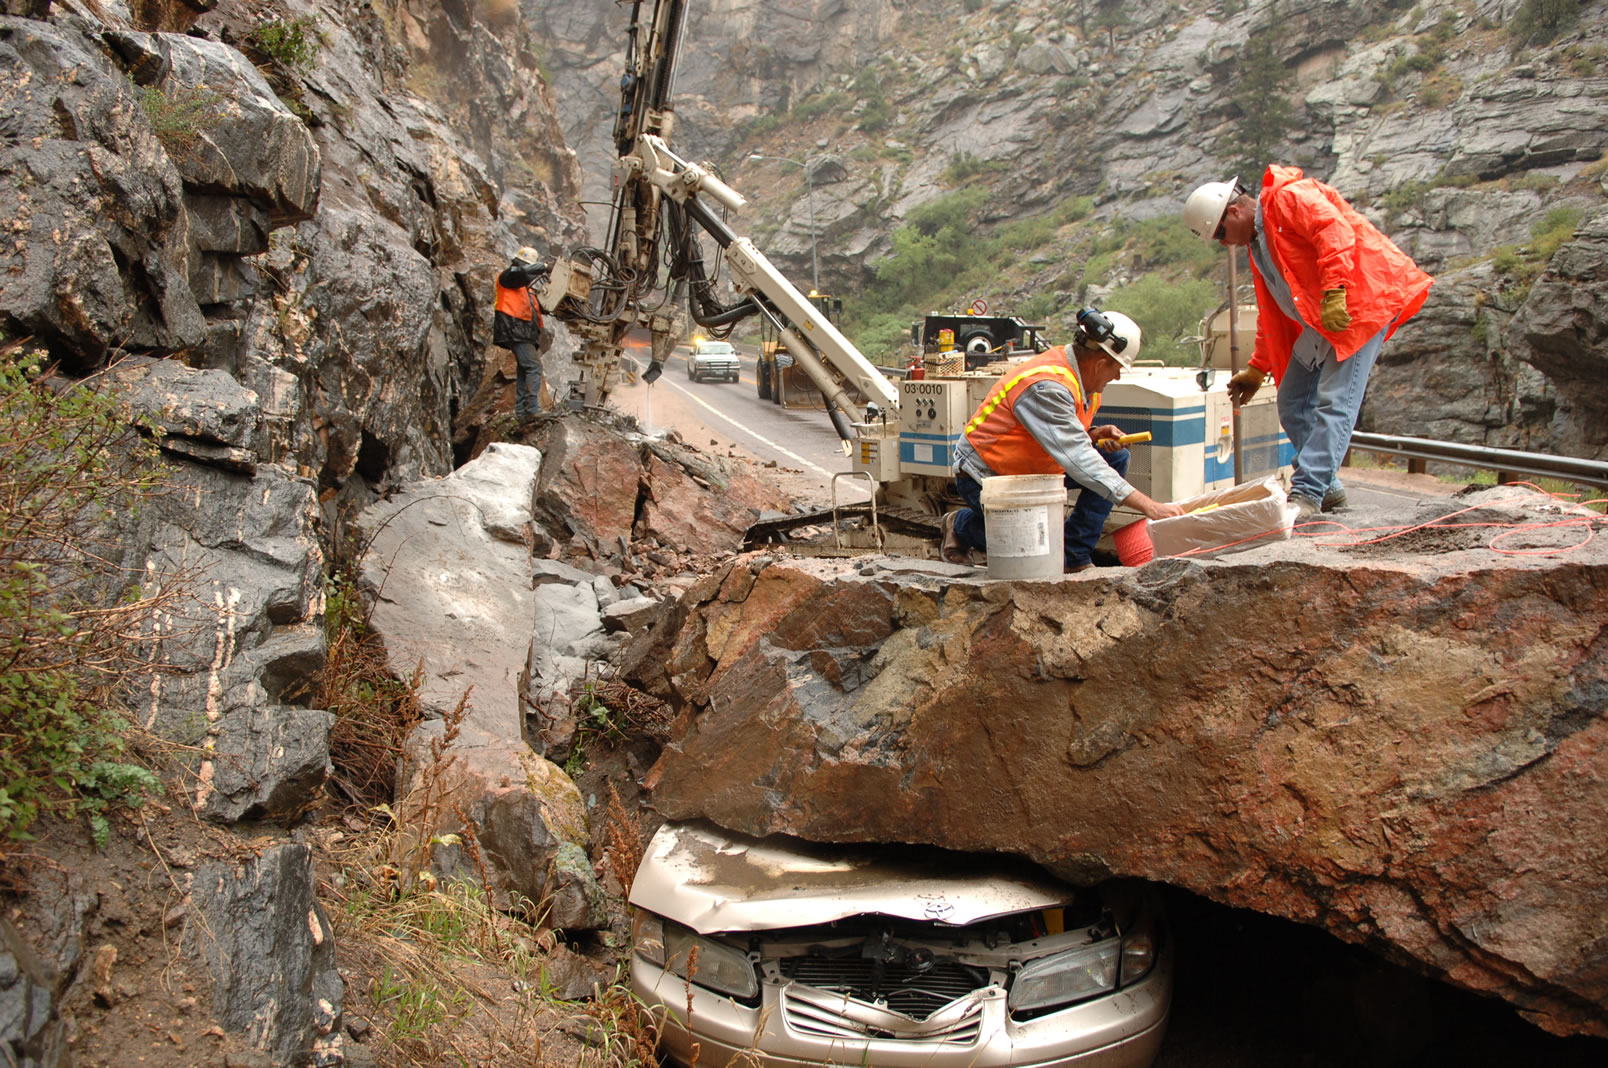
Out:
{"x": 1182, "y": 426}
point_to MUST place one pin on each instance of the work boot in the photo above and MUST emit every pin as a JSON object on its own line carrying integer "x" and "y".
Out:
{"x": 952, "y": 550}
{"x": 1305, "y": 507}
{"x": 1334, "y": 500}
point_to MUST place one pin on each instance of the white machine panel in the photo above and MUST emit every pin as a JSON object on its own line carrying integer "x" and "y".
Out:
{"x": 1191, "y": 450}
{"x": 932, "y": 417}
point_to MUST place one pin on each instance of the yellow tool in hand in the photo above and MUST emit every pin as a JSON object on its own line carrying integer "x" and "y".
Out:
{"x": 1113, "y": 444}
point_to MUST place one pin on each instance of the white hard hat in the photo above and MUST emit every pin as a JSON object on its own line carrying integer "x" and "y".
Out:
{"x": 1205, "y": 206}
{"x": 527, "y": 255}
{"x": 1126, "y": 329}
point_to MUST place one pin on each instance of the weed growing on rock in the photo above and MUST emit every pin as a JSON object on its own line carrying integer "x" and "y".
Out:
{"x": 73, "y": 471}
{"x": 180, "y": 117}
{"x": 294, "y": 42}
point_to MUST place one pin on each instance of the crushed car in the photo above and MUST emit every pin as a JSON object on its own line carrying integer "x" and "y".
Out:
{"x": 781, "y": 952}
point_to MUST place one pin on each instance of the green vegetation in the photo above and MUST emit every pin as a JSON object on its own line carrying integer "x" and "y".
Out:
{"x": 1410, "y": 195}
{"x": 875, "y": 111}
{"x": 817, "y": 104}
{"x": 1261, "y": 96}
{"x": 1167, "y": 311}
{"x": 1522, "y": 264}
{"x": 1436, "y": 87}
{"x": 72, "y": 471}
{"x": 1539, "y": 21}
{"x": 294, "y": 42}
{"x": 180, "y": 118}
{"x": 964, "y": 166}
{"x": 943, "y": 258}
{"x": 1586, "y": 61}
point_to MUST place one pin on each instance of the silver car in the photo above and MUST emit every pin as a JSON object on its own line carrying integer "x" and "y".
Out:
{"x": 779, "y": 952}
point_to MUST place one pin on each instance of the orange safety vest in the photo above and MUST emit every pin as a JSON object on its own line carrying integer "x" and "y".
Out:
{"x": 518, "y": 303}
{"x": 1003, "y": 443}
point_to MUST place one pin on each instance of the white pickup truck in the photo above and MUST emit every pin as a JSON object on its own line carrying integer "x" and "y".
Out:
{"x": 713, "y": 359}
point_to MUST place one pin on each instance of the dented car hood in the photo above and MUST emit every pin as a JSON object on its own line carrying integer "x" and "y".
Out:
{"x": 714, "y": 880}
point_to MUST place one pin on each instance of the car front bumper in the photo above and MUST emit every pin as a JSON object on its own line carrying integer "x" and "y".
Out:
{"x": 1120, "y": 1030}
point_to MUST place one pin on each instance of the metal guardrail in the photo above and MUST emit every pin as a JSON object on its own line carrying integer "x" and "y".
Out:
{"x": 1507, "y": 463}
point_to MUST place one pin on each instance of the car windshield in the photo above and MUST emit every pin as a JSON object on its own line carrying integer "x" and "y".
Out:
{"x": 715, "y": 348}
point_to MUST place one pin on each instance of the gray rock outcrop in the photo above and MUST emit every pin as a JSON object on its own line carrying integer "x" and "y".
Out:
{"x": 271, "y": 953}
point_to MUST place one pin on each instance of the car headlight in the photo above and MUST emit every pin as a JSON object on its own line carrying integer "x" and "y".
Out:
{"x": 717, "y": 966}
{"x": 1138, "y": 954}
{"x": 647, "y": 936}
{"x": 1066, "y": 977}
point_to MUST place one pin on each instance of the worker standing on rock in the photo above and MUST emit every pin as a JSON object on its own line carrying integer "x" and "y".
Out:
{"x": 518, "y": 327}
{"x": 1038, "y": 420}
{"x": 1330, "y": 290}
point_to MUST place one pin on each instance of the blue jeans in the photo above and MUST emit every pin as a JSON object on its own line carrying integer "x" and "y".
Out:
{"x": 527, "y": 380}
{"x": 1083, "y": 523}
{"x": 1318, "y": 408}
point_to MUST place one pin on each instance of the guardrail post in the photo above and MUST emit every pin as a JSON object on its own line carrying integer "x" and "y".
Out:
{"x": 1415, "y": 466}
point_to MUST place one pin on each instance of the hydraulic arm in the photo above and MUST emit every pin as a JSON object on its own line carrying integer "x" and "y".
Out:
{"x": 654, "y": 257}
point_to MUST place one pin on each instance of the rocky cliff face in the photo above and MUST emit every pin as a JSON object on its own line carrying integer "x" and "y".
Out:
{"x": 322, "y": 223}
{"x": 1456, "y": 135}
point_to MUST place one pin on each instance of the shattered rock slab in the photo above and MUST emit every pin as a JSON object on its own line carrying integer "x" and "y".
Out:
{"x": 1406, "y": 748}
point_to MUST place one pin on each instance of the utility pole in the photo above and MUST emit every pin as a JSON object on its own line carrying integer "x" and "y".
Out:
{"x": 809, "y": 186}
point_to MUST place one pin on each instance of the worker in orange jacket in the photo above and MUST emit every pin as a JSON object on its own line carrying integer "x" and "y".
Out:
{"x": 518, "y": 326}
{"x": 1330, "y": 290}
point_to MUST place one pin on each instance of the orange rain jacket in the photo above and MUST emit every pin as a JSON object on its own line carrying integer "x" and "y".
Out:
{"x": 1320, "y": 242}
{"x": 1003, "y": 442}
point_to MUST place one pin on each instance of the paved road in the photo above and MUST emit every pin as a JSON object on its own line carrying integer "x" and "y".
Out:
{"x": 720, "y": 416}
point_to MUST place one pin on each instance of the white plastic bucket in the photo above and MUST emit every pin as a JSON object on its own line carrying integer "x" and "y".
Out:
{"x": 1024, "y": 517}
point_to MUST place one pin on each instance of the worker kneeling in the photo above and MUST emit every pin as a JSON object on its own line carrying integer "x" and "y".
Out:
{"x": 1038, "y": 420}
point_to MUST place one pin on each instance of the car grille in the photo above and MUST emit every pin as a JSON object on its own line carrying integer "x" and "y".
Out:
{"x": 845, "y": 999}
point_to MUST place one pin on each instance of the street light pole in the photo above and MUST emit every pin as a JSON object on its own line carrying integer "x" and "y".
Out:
{"x": 809, "y": 186}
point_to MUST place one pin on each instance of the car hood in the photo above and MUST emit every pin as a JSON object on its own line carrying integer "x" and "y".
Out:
{"x": 714, "y": 880}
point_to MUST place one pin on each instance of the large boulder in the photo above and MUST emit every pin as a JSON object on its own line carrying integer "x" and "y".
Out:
{"x": 448, "y": 564}
{"x": 605, "y": 488}
{"x": 1401, "y": 741}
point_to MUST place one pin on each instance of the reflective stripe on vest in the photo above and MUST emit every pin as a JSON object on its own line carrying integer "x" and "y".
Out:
{"x": 518, "y": 303}
{"x": 1004, "y": 444}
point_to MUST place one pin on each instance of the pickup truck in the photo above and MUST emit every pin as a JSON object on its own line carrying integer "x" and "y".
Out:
{"x": 713, "y": 359}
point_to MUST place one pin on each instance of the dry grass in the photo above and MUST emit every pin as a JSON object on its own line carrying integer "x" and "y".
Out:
{"x": 442, "y": 975}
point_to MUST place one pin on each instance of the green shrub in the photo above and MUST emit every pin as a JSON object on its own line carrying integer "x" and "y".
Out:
{"x": 1548, "y": 235}
{"x": 72, "y": 475}
{"x": 964, "y": 166}
{"x": 1539, "y": 21}
{"x": 180, "y": 118}
{"x": 293, "y": 43}
{"x": 820, "y": 104}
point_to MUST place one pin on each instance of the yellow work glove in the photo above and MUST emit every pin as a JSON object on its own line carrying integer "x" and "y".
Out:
{"x": 1243, "y": 386}
{"x": 1334, "y": 315}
